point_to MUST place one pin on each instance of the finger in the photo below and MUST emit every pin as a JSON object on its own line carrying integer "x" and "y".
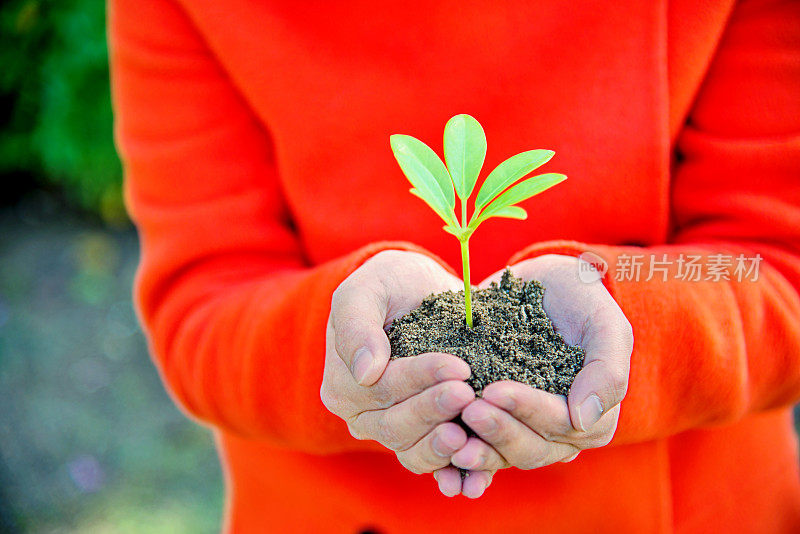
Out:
{"x": 547, "y": 414}
{"x": 590, "y": 415}
{"x": 477, "y": 455}
{"x": 603, "y": 382}
{"x": 403, "y": 425}
{"x": 518, "y": 444}
{"x": 476, "y": 483}
{"x": 544, "y": 413}
{"x": 449, "y": 480}
{"x": 433, "y": 451}
{"x": 358, "y": 311}
{"x": 405, "y": 377}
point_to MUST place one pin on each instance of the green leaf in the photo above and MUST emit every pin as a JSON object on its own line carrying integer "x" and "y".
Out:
{"x": 436, "y": 205}
{"x": 511, "y": 212}
{"x": 464, "y": 152}
{"x": 522, "y": 191}
{"x": 509, "y": 172}
{"x": 427, "y": 174}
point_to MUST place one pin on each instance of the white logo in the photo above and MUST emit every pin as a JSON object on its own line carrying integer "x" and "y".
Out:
{"x": 591, "y": 267}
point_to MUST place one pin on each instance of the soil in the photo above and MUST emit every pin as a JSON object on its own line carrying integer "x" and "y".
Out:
{"x": 512, "y": 337}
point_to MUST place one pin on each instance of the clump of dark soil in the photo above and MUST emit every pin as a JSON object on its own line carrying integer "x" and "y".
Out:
{"x": 512, "y": 338}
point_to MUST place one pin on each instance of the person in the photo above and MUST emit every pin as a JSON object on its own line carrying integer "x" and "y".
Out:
{"x": 278, "y": 240}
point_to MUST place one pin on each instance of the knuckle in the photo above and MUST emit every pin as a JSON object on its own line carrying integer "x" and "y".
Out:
{"x": 547, "y": 435}
{"x": 425, "y": 412}
{"x": 534, "y": 458}
{"x": 604, "y": 439}
{"x": 500, "y": 432}
{"x": 617, "y": 382}
{"x": 527, "y": 413}
{"x": 410, "y": 463}
{"x": 627, "y": 333}
{"x": 391, "y": 438}
{"x": 355, "y": 432}
{"x": 499, "y": 436}
{"x": 430, "y": 363}
{"x": 339, "y": 295}
{"x": 561, "y": 430}
{"x": 382, "y": 396}
{"x": 332, "y": 401}
{"x": 600, "y": 440}
{"x": 348, "y": 329}
{"x": 327, "y": 397}
{"x": 611, "y": 383}
{"x": 418, "y": 371}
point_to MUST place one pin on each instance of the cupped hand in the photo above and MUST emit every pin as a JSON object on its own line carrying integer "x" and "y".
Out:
{"x": 407, "y": 404}
{"x": 528, "y": 428}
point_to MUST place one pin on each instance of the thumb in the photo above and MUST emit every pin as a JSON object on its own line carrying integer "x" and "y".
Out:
{"x": 603, "y": 381}
{"x": 357, "y": 317}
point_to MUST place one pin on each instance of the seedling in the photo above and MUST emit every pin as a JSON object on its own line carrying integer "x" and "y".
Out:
{"x": 464, "y": 152}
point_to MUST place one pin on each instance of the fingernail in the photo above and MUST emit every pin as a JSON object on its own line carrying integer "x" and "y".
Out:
{"x": 451, "y": 372}
{"x": 589, "y": 412}
{"x": 479, "y": 490}
{"x": 567, "y": 460}
{"x": 449, "y": 401}
{"x": 505, "y": 400}
{"x": 470, "y": 462}
{"x": 485, "y": 422}
{"x": 439, "y": 448}
{"x": 443, "y": 486}
{"x": 444, "y": 444}
{"x": 362, "y": 362}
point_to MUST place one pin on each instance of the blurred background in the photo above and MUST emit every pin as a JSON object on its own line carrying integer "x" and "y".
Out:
{"x": 89, "y": 440}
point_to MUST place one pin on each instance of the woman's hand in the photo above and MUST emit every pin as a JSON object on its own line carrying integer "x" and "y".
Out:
{"x": 528, "y": 428}
{"x": 406, "y": 405}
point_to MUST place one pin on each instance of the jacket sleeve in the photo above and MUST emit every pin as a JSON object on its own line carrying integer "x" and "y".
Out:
{"x": 234, "y": 315}
{"x": 714, "y": 350}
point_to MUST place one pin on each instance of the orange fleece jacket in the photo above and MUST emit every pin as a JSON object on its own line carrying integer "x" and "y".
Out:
{"x": 258, "y": 171}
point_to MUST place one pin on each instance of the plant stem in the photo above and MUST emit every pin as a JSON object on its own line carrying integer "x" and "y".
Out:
{"x": 465, "y": 265}
{"x": 467, "y": 285}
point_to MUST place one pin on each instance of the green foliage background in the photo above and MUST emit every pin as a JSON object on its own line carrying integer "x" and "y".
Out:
{"x": 89, "y": 439}
{"x": 56, "y": 121}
